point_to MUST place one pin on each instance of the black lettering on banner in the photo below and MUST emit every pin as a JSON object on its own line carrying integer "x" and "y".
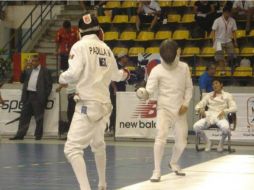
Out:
{"x": 102, "y": 62}
{"x": 12, "y": 105}
{"x": 139, "y": 124}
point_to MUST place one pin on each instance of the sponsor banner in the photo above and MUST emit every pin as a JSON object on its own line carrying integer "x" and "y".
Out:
{"x": 137, "y": 119}
{"x": 11, "y": 109}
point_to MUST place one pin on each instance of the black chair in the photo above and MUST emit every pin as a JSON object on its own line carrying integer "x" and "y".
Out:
{"x": 232, "y": 125}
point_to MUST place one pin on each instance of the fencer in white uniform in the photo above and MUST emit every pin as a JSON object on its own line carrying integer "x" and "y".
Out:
{"x": 172, "y": 83}
{"x": 92, "y": 67}
{"x": 218, "y": 103}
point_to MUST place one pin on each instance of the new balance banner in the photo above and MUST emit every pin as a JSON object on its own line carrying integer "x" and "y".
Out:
{"x": 137, "y": 119}
{"x": 11, "y": 109}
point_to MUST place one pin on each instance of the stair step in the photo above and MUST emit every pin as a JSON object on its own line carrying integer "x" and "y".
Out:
{"x": 78, "y": 12}
{"x": 46, "y": 50}
{"x": 72, "y": 7}
{"x": 51, "y": 61}
{"x": 55, "y": 28}
{"x": 47, "y": 45}
{"x": 59, "y": 23}
{"x": 47, "y": 40}
{"x": 50, "y": 67}
{"x": 51, "y": 56}
{"x": 50, "y": 35}
{"x": 69, "y": 17}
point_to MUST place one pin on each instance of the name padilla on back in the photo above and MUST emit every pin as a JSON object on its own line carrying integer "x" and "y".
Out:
{"x": 100, "y": 51}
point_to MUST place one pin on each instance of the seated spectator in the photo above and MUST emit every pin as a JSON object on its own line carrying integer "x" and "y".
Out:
{"x": 219, "y": 104}
{"x": 148, "y": 12}
{"x": 219, "y": 5}
{"x": 243, "y": 9}
{"x": 204, "y": 14}
{"x": 65, "y": 38}
{"x": 223, "y": 30}
{"x": 205, "y": 80}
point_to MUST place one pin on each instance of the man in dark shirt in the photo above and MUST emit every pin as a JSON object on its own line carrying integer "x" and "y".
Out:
{"x": 122, "y": 61}
{"x": 204, "y": 14}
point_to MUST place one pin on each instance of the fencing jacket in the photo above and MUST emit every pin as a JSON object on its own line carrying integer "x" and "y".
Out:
{"x": 173, "y": 85}
{"x": 216, "y": 104}
{"x": 92, "y": 66}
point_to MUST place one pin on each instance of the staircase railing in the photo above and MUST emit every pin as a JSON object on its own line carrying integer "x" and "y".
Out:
{"x": 24, "y": 33}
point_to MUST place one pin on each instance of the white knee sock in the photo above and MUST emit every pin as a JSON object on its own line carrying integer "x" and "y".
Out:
{"x": 100, "y": 160}
{"x": 176, "y": 154}
{"x": 158, "y": 154}
{"x": 79, "y": 168}
{"x": 203, "y": 136}
{"x": 223, "y": 138}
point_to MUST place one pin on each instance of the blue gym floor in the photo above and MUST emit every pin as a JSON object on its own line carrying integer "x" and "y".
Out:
{"x": 30, "y": 165}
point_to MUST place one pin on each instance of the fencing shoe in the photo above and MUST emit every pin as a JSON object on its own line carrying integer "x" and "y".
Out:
{"x": 176, "y": 169}
{"x": 156, "y": 177}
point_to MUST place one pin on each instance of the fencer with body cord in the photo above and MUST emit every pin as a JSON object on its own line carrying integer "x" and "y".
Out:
{"x": 92, "y": 66}
{"x": 172, "y": 82}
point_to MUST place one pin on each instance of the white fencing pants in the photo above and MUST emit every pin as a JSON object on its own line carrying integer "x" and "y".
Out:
{"x": 202, "y": 124}
{"x": 180, "y": 131}
{"x": 84, "y": 132}
{"x": 180, "y": 128}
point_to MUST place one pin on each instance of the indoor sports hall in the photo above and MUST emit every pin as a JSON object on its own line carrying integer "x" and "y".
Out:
{"x": 43, "y": 100}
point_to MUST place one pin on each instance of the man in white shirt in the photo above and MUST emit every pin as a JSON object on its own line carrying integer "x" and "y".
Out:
{"x": 244, "y": 9}
{"x": 223, "y": 31}
{"x": 172, "y": 82}
{"x": 219, "y": 104}
{"x": 92, "y": 67}
{"x": 148, "y": 11}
